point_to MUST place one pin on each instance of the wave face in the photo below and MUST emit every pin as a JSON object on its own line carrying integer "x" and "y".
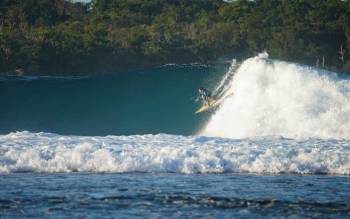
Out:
{"x": 267, "y": 97}
{"x": 44, "y": 152}
{"x": 157, "y": 100}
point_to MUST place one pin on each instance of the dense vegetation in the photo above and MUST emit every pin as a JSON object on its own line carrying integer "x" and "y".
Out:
{"x": 59, "y": 36}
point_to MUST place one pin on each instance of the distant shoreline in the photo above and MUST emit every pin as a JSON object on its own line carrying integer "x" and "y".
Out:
{"x": 62, "y": 37}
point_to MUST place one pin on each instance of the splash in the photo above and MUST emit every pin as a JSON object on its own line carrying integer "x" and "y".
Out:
{"x": 45, "y": 152}
{"x": 269, "y": 97}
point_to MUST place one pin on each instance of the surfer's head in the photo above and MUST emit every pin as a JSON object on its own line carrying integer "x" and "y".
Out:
{"x": 200, "y": 88}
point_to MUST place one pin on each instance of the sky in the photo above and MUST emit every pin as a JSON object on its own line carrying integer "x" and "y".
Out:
{"x": 81, "y": 0}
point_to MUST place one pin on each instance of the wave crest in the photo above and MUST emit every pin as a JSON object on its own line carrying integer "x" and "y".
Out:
{"x": 270, "y": 97}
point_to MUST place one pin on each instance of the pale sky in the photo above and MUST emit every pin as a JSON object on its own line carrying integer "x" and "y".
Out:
{"x": 81, "y": 0}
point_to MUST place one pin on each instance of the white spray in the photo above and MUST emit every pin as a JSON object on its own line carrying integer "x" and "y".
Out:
{"x": 268, "y": 97}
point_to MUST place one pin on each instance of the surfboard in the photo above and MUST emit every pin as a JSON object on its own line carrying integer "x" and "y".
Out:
{"x": 212, "y": 103}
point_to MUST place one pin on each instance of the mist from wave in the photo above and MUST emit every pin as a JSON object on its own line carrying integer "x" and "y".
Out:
{"x": 269, "y": 97}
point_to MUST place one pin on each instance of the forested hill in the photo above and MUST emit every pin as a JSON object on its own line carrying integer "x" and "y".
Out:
{"x": 62, "y": 37}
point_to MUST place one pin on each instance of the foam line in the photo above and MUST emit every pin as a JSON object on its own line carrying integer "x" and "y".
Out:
{"x": 44, "y": 152}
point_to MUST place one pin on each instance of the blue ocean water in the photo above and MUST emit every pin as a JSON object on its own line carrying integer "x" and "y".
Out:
{"x": 158, "y": 100}
{"x": 167, "y": 195}
{"x": 130, "y": 146}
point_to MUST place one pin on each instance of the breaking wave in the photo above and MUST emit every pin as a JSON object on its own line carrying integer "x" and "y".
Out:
{"x": 268, "y": 97}
{"x": 261, "y": 101}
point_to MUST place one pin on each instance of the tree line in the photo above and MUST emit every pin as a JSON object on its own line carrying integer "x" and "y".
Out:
{"x": 65, "y": 37}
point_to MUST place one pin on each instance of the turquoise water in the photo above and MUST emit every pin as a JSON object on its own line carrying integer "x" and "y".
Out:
{"x": 159, "y": 100}
{"x": 128, "y": 145}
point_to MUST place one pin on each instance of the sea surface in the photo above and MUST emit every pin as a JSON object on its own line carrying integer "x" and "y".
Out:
{"x": 171, "y": 195}
{"x": 129, "y": 145}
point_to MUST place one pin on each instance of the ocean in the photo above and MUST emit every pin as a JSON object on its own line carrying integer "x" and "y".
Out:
{"x": 129, "y": 145}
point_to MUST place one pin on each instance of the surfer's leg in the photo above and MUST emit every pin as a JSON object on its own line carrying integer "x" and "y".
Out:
{"x": 207, "y": 100}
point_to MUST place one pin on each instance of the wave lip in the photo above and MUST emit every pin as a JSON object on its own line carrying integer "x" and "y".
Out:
{"x": 44, "y": 152}
{"x": 271, "y": 97}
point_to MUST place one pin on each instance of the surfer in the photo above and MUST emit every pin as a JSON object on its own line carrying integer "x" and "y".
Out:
{"x": 203, "y": 95}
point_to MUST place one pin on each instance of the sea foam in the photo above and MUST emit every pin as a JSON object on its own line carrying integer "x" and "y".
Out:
{"x": 44, "y": 152}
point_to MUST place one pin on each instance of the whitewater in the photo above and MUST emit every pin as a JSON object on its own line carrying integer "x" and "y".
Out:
{"x": 271, "y": 97}
{"x": 43, "y": 152}
{"x": 274, "y": 117}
